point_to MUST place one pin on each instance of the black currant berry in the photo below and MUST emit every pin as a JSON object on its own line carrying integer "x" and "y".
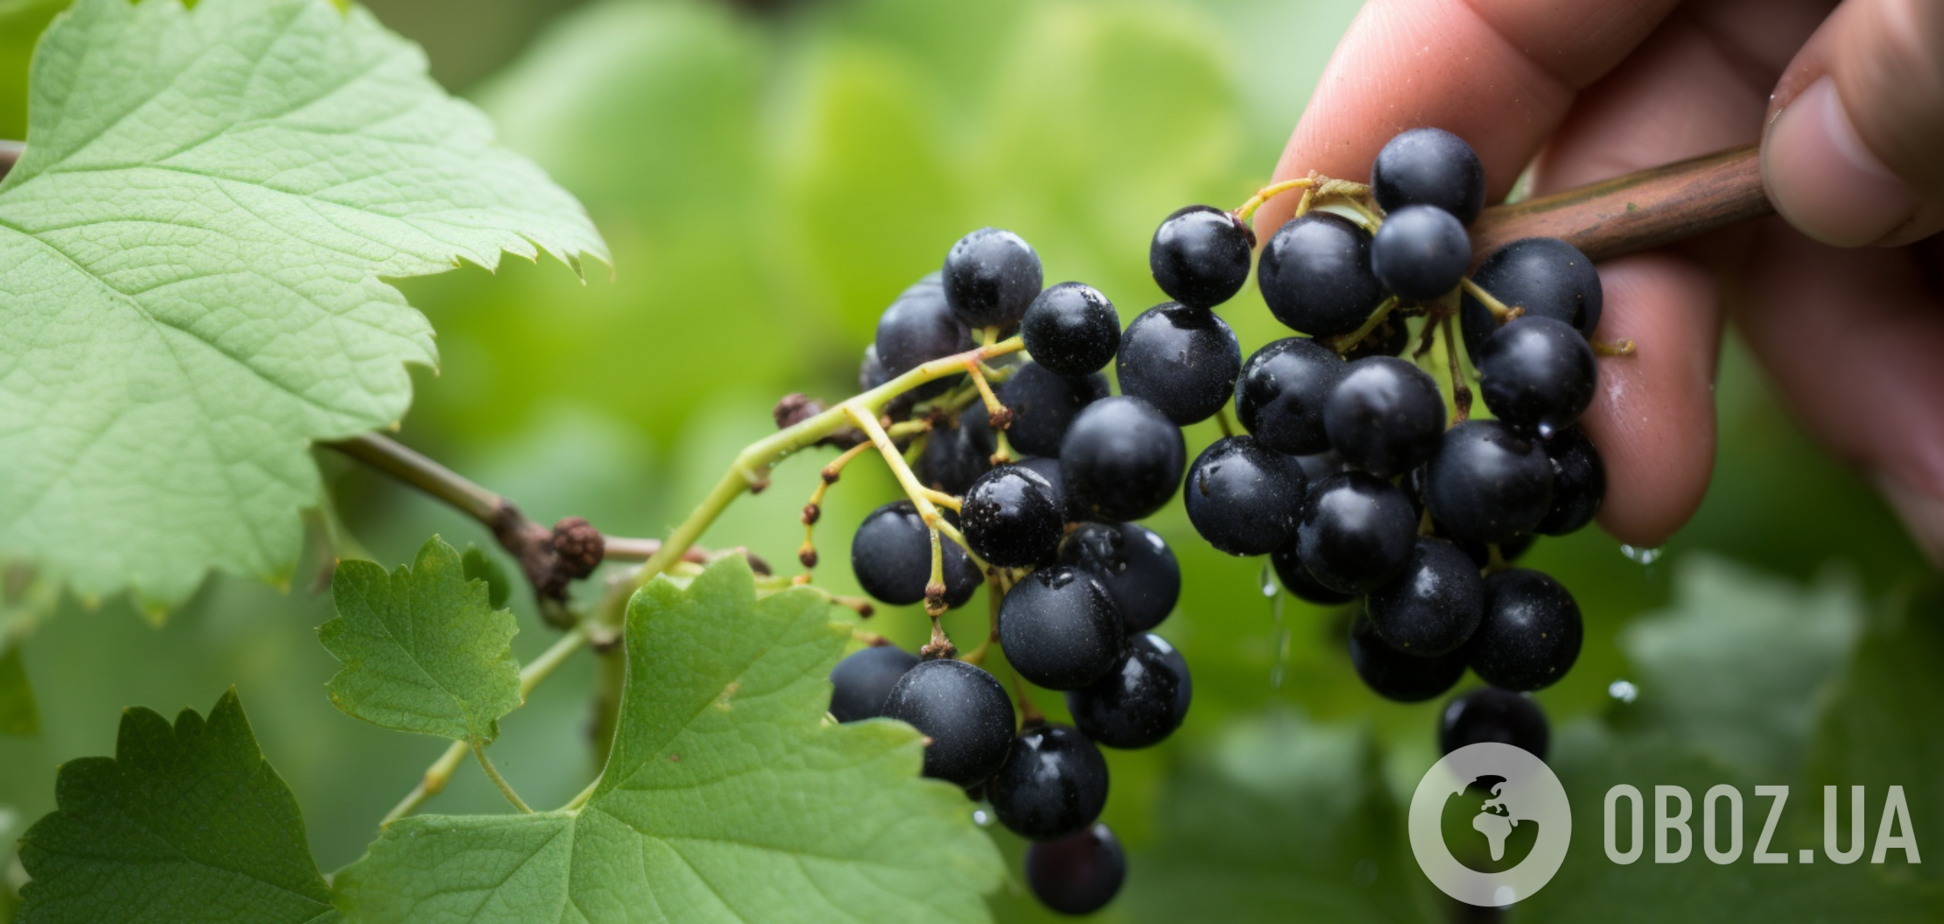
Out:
{"x": 1182, "y": 360}
{"x": 1140, "y": 702}
{"x": 919, "y": 328}
{"x": 1434, "y": 605}
{"x": 990, "y": 278}
{"x": 1394, "y": 675}
{"x": 861, "y": 682}
{"x": 1133, "y": 563}
{"x": 1357, "y": 532}
{"x": 1536, "y": 374}
{"x": 1053, "y": 784}
{"x": 1012, "y": 518}
{"x": 965, "y": 713}
{"x": 1200, "y": 255}
{"x": 1420, "y": 252}
{"x": 1385, "y": 417}
{"x": 1071, "y": 329}
{"x": 1487, "y": 483}
{"x": 1048, "y": 468}
{"x": 1545, "y": 277}
{"x": 1315, "y": 275}
{"x": 1044, "y": 403}
{"x": 1122, "y": 458}
{"x": 1242, "y": 497}
{"x": 1489, "y": 714}
{"x": 956, "y": 453}
{"x": 1078, "y": 874}
{"x": 1429, "y": 166}
{"x": 891, "y": 555}
{"x": 1531, "y": 632}
{"x": 1060, "y": 628}
{"x": 1578, "y": 485}
{"x": 1297, "y": 579}
{"x": 1280, "y": 395}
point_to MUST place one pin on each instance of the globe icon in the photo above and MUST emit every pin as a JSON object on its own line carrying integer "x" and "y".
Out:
{"x": 1484, "y": 828}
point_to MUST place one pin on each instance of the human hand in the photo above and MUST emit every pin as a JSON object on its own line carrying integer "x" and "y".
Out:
{"x": 1849, "y": 105}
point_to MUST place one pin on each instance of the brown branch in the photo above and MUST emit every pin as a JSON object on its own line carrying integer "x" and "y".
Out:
{"x": 1638, "y": 211}
{"x": 10, "y": 152}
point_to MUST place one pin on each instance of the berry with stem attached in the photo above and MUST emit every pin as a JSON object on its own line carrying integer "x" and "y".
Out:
{"x": 1315, "y": 275}
{"x": 918, "y": 328}
{"x": 1200, "y": 255}
{"x": 891, "y": 555}
{"x": 1012, "y": 518}
{"x": 1543, "y": 277}
{"x": 963, "y": 710}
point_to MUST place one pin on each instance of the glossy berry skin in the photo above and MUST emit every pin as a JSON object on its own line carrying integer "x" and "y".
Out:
{"x": 1537, "y": 374}
{"x": 1012, "y": 518}
{"x": 1297, "y": 579}
{"x": 1060, "y": 628}
{"x": 1071, "y": 329}
{"x": 1048, "y": 468}
{"x": 1078, "y": 874}
{"x": 918, "y": 328}
{"x": 1420, "y": 252}
{"x": 1545, "y": 276}
{"x": 1394, "y": 675}
{"x": 955, "y": 455}
{"x": 1578, "y": 485}
{"x": 965, "y": 713}
{"x": 1279, "y": 397}
{"x": 861, "y": 682}
{"x": 1133, "y": 563}
{"x": 1531, "y": 633}
{"x": 1182, "y": 360}
{"x": 1315, "y": 275}
{"x": 1489, "y": 714}
{"x": 1044, "y": 404}
{"x": 1434, "y": 605}
{"x": 891, "y": 555}
{"x": 1487, "y": 483}
{"x": 1200, "y": 255}
{"x": 1053, "y": 783}
{"x": 1141, "y": 700}
{"x": 1429, "y": 166}
{"x": 990, "y": 278}
{"x": 1122, "y": 459}
{"x": 1243, "y": 497}
{"x": 1389, "y": 338}
{"x": 1385, "y": 417}
{"x": 1356, "y": 532}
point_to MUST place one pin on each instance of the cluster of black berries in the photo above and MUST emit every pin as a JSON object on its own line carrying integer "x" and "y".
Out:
{"x": 1350, "y": 479}
{"x": 1082, "y": 584}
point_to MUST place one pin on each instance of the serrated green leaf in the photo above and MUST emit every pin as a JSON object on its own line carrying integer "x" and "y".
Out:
{"x": 482, "y": 567}
{"x": 725, "y": 797}
{"x": 191, "y": 253}
{"x": 19, "y": 716}
{"x": 423, "y": 649}
{"x": 187, "y": 823}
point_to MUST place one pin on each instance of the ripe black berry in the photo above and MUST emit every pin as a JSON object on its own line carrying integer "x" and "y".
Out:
{"x": 1487, "y": 483}
{"x": 1182, "y": 360}
{"x": 1281, "y": 393}
{"x": 1078, "y": 874}
{"x": 1053, "y": 784}
{"x": 1200, "y": 255}
{"x": 861, "y": 682}
{"x": 1071, "y": 329}
{"x": 1060, "y": 629}
{"x": 1429, "y": 166}
{"x": 1122, "y": 458}
{"x": 965, "y": 713}
{"x": 1385, "y": 416}
{"x": 1394, "y": 675}
{"x": 919, "y": 328}
{"x": 956, "y": 453}
{"x": 990, "y": 278}
{"x": 1296, "y": 578}
{"x": 1489, "y": 714}
{"x": 1048, "y": 468}
{"x": 1544, "y": 276}
{"x": 1434, "y": 605}
{"x": 1536, "y": 374}
{"x": 1133, "y": 563}
{"x": 1579, "y": 483}
{"x": 1012, "y": 518}
{"x": 1420, "y": 252}
{"x": 1531, "y": 632}
{"x": 1044, "y": 404}
{"x": 891, "y": 555}
{"x": 1315, "y": 275}
{"x": 1243, "y": 497}
{"x": 1357, "y": 532}
{"x": 1140, "y": 702}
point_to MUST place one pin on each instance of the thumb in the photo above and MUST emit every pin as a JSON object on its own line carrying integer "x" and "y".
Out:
{"x": 1850, "y": 156}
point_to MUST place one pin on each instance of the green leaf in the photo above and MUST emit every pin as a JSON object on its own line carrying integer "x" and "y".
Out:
{"x": 191, "y": 253}
{"x": 423, "y": 649}
{"x": 1280, "y": 819}
{"x": 725, "y": 797}
{"x": 480, "y": 566}
{"x": 183, "y": 824}
{"x": 19, "y": 716}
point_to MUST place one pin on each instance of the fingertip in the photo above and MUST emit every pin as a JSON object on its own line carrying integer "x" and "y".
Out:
{"x": 1653, "y": 419}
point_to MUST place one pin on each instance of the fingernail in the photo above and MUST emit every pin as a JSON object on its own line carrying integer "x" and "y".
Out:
{"x": 1823, "y": 178}
{"x": 1922, "y": 513}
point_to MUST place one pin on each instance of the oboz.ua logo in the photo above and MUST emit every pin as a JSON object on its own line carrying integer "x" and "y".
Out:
{"x": 1490, "y": 824}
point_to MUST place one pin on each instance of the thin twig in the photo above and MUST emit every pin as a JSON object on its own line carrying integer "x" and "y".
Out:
{"x": 492, "y": 773}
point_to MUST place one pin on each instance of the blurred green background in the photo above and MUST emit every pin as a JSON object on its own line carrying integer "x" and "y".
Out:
{"x": 770, "y": 175}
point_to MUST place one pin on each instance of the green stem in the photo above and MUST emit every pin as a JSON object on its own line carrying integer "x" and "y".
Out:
{"x": 492, "y": 773}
